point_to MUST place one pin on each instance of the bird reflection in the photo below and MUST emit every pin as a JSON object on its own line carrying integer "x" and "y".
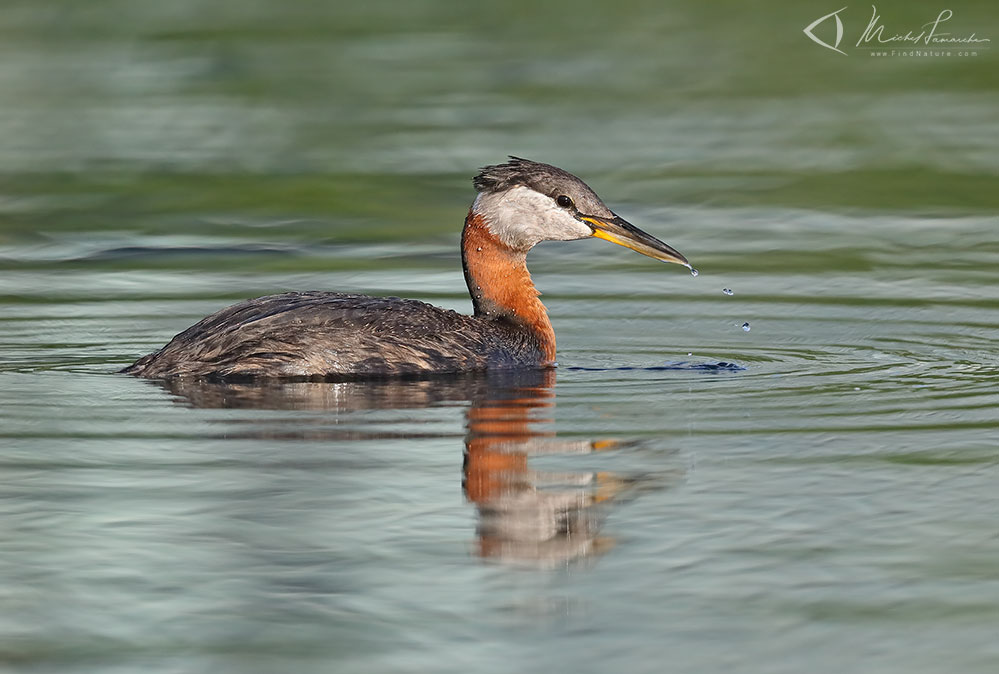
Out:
{"x": 525, "y": 516}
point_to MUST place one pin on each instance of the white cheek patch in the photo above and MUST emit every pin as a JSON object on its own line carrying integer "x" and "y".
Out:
{"x": 521, "y": 217}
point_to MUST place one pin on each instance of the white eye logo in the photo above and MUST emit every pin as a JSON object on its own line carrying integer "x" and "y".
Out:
{"x": 839, "y": 31}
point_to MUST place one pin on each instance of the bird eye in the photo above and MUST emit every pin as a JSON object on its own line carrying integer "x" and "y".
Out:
{"x": 564, "y": 201}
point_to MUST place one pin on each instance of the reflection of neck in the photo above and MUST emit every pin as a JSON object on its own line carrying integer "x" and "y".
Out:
{"x": 499, "y": 440}
{"x": 492, "y": 464}
{"x": 500, "y": 284}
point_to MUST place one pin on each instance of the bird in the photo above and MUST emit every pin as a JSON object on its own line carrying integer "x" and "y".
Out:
{"x": 331, "y": 336}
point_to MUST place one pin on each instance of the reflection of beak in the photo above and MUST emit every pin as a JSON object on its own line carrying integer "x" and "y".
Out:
{"x": 623, "y": 233}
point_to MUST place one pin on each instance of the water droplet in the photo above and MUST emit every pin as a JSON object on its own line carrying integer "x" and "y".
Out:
{"x": 727, "y": 291}
{"x": 694, "y": 272}
{"x": 745, "y": 327}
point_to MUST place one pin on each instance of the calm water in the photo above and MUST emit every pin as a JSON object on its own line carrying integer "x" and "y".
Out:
{"x": 827, "y": 505}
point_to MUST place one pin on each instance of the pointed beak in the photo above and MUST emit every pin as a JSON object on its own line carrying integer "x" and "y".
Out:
{"x": 623, "y": 233}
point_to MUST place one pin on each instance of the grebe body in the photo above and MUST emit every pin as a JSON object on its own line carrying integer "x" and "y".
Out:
{"x": 326, "y": 335}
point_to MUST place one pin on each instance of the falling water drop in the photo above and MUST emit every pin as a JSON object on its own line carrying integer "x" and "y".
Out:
{"x": 745, "y": 327}
{"x": 727, "y": 291}
{"x": 693, "y": 272}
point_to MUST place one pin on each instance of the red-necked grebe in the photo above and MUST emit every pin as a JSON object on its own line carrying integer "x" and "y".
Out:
{"x": 326, "y": 335}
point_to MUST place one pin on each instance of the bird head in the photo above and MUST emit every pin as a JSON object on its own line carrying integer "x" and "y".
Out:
{"x": 525, "y": 202}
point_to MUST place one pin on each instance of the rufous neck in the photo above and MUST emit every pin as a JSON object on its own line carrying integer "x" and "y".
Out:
{"x": 500, "y": 284}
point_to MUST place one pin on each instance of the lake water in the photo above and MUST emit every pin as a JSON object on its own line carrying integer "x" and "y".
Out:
{"x": 815, "y": 494}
